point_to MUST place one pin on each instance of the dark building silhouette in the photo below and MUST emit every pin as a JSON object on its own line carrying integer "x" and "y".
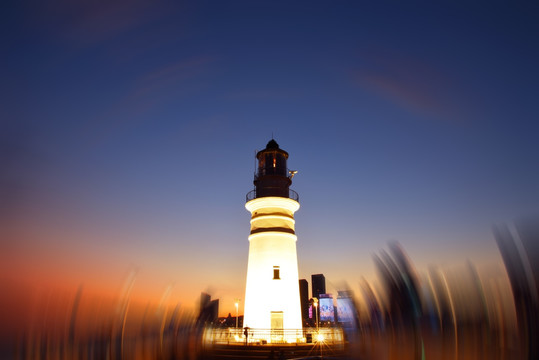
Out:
{"x": 209, "y": 309}
{"x": 318, "y": 284}
{"x": 528, "y": 231}
{"x": 318, "y": 287}
{"x": 520, "y": 253}
{"x": 304, "y": 300}
{"x": 401, "y": 285}
{"x": 444, "y": 318}
{"x": 373, "y": 306}
{"x": 205, "y": 299}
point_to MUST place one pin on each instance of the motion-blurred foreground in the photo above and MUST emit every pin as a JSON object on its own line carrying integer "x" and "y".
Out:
{"x": 437, "y": 315}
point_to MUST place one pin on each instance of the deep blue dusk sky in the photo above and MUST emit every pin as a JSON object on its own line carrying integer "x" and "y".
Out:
{"x": 128, "y": 133}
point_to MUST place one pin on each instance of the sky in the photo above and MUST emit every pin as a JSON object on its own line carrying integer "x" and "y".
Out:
{"x": 128, "y": 134}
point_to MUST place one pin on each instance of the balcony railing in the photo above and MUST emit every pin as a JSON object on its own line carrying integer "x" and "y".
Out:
{"x": 291, "y": 195}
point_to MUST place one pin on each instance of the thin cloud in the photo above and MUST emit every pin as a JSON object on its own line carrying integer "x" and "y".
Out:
{"x": 404, "y": 93}
{"x": 150, "y": 90}
{"x": 409, "y": 83}
{"x": 262, "y": 94}
{"x": 92, "y": 22}
{"x": 173, "y": 74}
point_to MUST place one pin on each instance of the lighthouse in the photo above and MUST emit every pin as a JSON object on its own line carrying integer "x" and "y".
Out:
{"x": 272, "y": 303}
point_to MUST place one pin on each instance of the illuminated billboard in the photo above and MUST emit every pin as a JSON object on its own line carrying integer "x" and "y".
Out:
{"x": 326, "y": 309}
{"x": 345, "y": 310}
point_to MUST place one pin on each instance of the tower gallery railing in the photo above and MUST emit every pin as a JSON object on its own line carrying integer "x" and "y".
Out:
{"x": 291, "y": 195}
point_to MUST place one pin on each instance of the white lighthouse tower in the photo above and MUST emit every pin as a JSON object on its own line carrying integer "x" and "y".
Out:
{"x": 272, "y": 304}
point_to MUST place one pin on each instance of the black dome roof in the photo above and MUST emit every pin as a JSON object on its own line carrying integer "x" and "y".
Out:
{"x": 272, "y": 144}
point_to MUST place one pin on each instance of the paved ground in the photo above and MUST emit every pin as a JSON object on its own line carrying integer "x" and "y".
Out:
{"x": 274, "y": 352}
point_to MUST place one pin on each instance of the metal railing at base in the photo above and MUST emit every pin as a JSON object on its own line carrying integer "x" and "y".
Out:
{"x": 255, "y": 337}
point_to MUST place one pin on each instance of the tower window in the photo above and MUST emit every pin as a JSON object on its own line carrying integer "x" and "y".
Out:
{"x": 276, "y": 274}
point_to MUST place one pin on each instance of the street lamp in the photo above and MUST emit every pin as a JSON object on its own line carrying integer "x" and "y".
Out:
{"x": 237, "y": 303}
{"x": 315, "y": 303}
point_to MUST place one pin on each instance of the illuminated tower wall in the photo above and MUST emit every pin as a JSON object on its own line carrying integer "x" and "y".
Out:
{"x": 272, "y": 293}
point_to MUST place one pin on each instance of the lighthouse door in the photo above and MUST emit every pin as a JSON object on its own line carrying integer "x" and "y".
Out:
{"x": 277, "y": 326}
